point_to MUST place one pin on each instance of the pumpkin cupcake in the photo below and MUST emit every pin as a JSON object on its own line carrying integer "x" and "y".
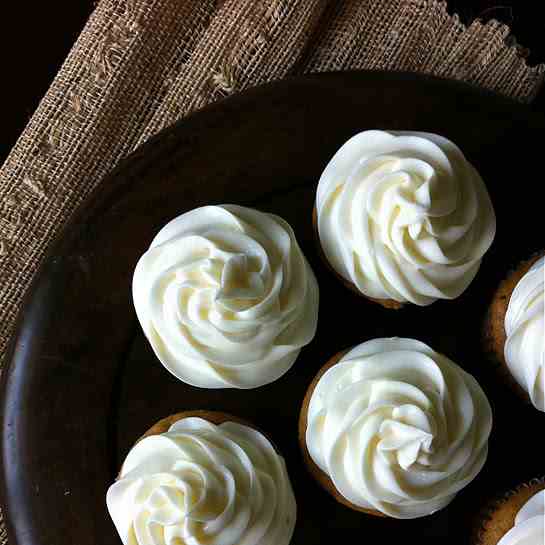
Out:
{"x": 403, "y": 217}
{"x": 392, "y": 428}
{"x": 518, "y": 518}
{"x": 226, "y": 297}
{"x": 203, "y": 477}
{"x": 514, "y": 330}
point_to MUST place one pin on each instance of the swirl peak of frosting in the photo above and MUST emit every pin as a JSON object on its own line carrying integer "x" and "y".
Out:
{"x": 529, "y": 528}
{"x": 203, "y": 483}
{"x": 404, "y": 216}
{"x": 226, "y": 297}
{"x": 524, "y": 348}
{"x": 398, "y": 428}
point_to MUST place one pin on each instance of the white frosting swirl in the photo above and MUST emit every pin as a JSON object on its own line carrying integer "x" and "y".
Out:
{"x": 203, "y": 484}
{"x": 404, "y": 216}
{"x": 226, "y": 297}
{"x": 524, "y": 348}
{"x": 529, "y": 528}
{"x": 398, "y": 428}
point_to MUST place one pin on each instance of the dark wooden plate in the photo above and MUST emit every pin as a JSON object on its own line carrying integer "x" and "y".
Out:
{"x": 82, "y": 384}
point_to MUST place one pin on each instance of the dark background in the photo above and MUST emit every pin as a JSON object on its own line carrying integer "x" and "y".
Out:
{"x": 35, "y": 38}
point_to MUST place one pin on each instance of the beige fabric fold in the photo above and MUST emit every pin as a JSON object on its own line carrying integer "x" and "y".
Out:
{"x": 139, "y": 65}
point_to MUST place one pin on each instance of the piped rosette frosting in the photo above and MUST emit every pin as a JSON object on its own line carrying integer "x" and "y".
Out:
{"x": 404, "y": 216}
{"x": 524, "y": 348}
{"x": 201, "y": 483}
{"x": 226, "y": 297}
{"x": 398, "y": 428}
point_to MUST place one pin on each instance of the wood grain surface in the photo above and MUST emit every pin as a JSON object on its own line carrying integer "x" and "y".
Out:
{"x": 82, "y": 384}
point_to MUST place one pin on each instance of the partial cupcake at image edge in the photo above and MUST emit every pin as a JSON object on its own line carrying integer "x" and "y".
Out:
{"x": 226, "y": 297}
{"x": 514, "y": 330}
{"x": 517, "y": 517}
{"x": 402, "y": 217}
{"x": 203, "y": 475}
{"x": 393, "y": 428}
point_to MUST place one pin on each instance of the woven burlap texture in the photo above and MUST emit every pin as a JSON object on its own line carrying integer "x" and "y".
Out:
{"x": 141, "y": 64}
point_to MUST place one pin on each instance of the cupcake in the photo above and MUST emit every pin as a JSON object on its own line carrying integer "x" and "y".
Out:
{"x": 203, "y": 477}
{"x": 514, "y": 330}
{"x": 392, "y": 428}
{"x": 517, "y": 519}
{"x": 226, "y": 297}
{"x": 403, "y": 217}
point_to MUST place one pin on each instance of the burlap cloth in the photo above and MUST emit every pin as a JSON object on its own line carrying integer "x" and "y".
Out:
{"x": 141, "y": 64}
